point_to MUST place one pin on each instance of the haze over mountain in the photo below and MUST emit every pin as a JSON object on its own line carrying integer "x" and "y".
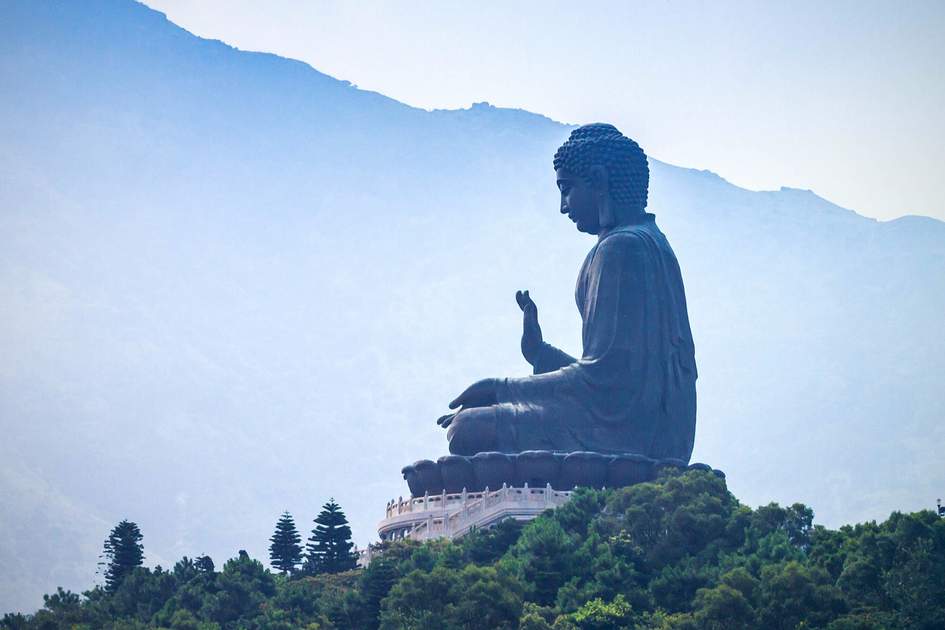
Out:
{"x": 232, "y": 285}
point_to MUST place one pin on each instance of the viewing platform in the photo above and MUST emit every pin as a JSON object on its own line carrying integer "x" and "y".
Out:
{"x": 452, "y": 515}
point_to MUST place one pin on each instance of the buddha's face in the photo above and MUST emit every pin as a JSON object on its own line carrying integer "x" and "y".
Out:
{"x": 579, "y": 201}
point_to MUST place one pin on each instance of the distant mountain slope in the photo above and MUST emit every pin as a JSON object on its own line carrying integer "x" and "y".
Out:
{"x": 232, "y": 285}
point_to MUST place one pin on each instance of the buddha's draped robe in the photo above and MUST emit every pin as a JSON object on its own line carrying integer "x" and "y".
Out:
{"x": 633, "y": 389}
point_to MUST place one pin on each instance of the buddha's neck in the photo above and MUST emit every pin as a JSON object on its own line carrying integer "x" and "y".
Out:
{"x": 624, "y": 217}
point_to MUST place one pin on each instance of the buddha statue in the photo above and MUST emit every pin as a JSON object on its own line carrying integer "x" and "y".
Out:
{"x": 633, "y": 390}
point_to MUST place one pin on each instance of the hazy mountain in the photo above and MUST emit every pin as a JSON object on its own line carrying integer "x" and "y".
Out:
{"x": 232, "y": 285}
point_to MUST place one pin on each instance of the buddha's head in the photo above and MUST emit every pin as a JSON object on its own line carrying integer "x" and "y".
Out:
{"x": 603, "y": 177}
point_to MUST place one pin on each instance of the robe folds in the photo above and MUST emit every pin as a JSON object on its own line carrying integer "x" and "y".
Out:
{"x": 634, "y": 388}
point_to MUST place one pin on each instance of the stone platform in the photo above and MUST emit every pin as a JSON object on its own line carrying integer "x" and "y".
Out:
{"x": 454, "y": 474}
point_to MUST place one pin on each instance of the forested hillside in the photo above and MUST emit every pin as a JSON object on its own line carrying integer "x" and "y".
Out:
{"x": 678, "y": 553}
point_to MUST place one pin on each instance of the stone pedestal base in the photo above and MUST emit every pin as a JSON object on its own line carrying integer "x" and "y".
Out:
{"x": 456, "y": 493}
{"x": 562, "y": 471}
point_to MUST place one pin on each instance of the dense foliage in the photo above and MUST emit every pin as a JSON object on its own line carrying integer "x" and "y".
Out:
{"x": 676, "y": 554}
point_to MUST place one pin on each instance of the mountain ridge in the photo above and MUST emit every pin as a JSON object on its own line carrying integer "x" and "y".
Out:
{"x": 475, "y": 108}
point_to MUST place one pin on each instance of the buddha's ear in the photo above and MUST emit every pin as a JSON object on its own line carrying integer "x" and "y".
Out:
{"x": 599, "y": 181}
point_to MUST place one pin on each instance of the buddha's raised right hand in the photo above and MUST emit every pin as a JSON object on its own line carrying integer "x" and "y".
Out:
{"x": 531, "y": 331}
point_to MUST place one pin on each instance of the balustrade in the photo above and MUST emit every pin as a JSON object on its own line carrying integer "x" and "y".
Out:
{"x": 452, "y": 515}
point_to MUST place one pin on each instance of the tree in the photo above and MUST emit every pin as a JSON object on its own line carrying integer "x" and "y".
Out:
{"x": 472, "y": 598}
{"x": 245, "y": 586}
{"x": 723, "y": 608}
{"x": 204, "y": 564}
{"x": 285, "y": 552}
{"x": 600, "y": 615}
{"x": 15, "y": 621}
{"x": 186, "y": 569}
{"x": 329, "y": 548}
{"x": 142, "y": 593}
{"x": 123, "y": 552}
{"x": 544, "y": 558}
{"x": 374, "y": 584}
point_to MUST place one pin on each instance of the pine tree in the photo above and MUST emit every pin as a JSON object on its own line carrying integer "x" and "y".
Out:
{"x": 329, "y": 550}
{"x": 204, "y": 564}
{"x": 123, "y": 552}
{"x": 285, "y": 552}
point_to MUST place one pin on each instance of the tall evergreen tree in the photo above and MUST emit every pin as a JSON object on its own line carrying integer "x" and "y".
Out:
{"x": 123, "y": 552}
{"x": 285, "y": 552}
{"x": 329, "y": 550}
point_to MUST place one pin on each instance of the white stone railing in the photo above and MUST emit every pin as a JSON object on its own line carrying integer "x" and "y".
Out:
{"x": 428, "y": 502}
{"x": 453, "y": 515}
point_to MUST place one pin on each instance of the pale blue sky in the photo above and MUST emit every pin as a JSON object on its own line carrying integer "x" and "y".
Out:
{"x": 844, "y": 98}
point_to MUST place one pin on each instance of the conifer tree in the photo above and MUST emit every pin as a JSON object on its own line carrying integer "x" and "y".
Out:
{"x": 329, "y": 550}
{"x": 285, "y": 552}
{"x": 123, "y": 552}
{"x": 204, "y": 564}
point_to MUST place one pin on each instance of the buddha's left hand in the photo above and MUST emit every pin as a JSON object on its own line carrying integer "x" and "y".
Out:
{"x": 480, "y": 394}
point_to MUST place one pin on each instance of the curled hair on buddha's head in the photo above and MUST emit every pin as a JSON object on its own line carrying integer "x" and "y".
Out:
{"x": 600, "y": 144}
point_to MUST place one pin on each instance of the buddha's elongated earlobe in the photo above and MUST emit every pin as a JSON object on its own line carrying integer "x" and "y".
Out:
{"x": 605, "y": 212}
{"x": 601, "y": 183}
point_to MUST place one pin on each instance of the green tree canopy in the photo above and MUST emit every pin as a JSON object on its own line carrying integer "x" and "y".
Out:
{"x": 329, "y": 549}
{"x": 122, "y": 552}
{"x": 285, "y": 552}
{"x": 678, "y": 553}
